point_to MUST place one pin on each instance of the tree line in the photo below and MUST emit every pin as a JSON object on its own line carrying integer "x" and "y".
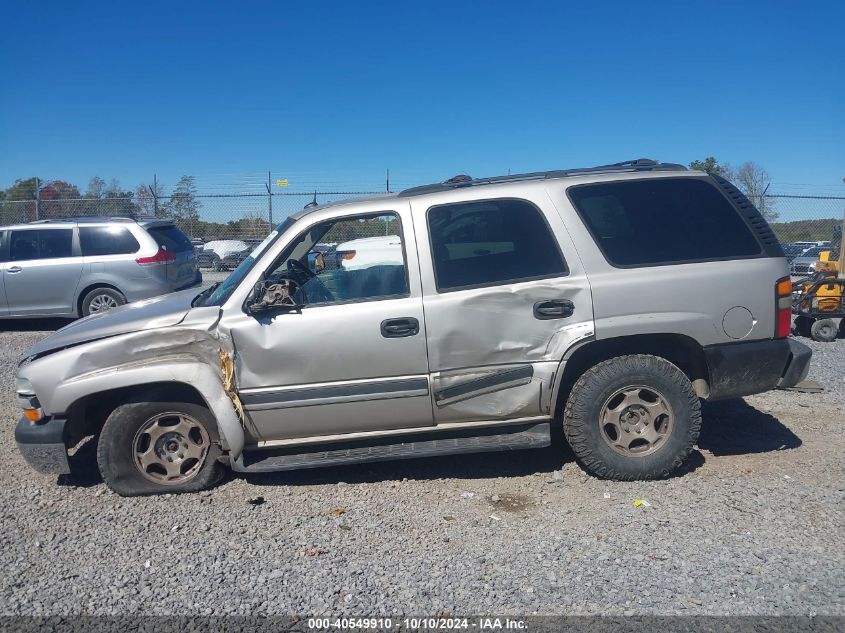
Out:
{"x": 61, "y": 199}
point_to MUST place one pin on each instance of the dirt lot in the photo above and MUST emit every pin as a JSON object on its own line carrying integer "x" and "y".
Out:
{"x": 754, "y": 526}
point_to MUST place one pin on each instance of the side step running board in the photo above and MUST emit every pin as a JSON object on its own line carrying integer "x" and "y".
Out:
{"x": 426, "y": 444}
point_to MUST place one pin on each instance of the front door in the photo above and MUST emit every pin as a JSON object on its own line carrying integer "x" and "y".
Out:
{"x": 505, "y": 296}
{"x": 353, "y": 357}
{"x": 42, "y": 272}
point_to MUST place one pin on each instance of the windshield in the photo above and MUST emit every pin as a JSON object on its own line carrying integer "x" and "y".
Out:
{"x": 218, "y": 294}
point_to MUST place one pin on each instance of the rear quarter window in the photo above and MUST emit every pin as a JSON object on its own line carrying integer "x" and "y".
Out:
{"x": 662, "y": 221}
{"x": 170, "y": 238}
{"x": 107, "y": 240}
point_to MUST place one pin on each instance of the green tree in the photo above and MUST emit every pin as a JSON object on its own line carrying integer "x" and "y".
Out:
{"x": 22, "y": 189}
{"x": 711, "y": 166}
{"x": 184, "y": 207}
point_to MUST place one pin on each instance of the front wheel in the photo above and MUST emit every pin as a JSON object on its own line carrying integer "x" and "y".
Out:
{"x": 159, "y": 447}
{"x": 632, "y": 417}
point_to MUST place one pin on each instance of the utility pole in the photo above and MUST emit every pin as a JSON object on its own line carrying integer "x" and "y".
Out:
{"x": 387, "y": 181}
{"x": 37, "y": 200}
{"x": 270, "y": 199}
{"x": 154, "y": 192}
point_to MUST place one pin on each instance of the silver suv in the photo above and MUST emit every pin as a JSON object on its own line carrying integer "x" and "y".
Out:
{"x": 608, "y": 300}
{"x": 80, "y": 266}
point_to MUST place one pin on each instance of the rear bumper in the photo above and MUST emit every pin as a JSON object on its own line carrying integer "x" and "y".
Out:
{"x": 743, "y": 369}
{"x": 43, "y": 445}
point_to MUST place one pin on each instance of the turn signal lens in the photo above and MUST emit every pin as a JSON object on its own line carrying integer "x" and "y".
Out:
{"x": 33, "y": 415}
{"x": 785, "y": 287}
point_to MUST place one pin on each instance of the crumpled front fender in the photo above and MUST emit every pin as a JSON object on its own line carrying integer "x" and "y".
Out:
{"x": 175, "y": 355}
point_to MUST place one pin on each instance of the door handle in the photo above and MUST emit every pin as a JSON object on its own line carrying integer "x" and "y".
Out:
{"x": 553, "y": 309}
{"x": 397, "y": 328}
{"x": 14, "y": 269}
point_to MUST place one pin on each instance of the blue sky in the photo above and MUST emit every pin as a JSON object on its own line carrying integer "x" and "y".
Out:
{"x": 331, "y": 94}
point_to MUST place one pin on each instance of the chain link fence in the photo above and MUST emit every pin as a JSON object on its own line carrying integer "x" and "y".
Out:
{"x": 794, "y": 218}
{"x": 205, "y": 217}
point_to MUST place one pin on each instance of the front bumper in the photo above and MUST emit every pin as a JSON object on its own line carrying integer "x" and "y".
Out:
{"x": 43, "y": 446}
{"x": 743, "y": 369}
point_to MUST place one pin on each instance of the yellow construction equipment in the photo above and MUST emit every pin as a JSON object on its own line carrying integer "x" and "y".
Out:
{"x": 819, "y": 300}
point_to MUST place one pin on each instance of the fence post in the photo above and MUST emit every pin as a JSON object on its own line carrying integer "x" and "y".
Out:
{"x": 842, "y": 249}
{"x": 270, "y": 199}
{"x": 37, "y": 200}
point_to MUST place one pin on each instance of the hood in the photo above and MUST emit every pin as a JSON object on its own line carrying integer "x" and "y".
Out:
{"x": 142, "y": 315}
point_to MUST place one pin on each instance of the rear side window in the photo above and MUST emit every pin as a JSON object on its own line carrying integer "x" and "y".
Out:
{"x": 41, "y": 244}
{"x": 171, "y": 238}
{"x": 107, "y": 240}
{"x": 491, "y": 242}
{"x": 662, "y": 221}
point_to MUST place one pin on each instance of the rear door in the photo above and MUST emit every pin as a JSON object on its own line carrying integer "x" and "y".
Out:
{"x": 504, "y": 295}
{"x": 181, "y": 267}
{"x": 42, "y": 271}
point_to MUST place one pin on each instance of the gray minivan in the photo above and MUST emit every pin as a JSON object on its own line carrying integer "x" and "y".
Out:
{"x": 79, "y": 266}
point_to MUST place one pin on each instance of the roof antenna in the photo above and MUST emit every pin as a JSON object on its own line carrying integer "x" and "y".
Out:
{"x": 313, "y": 203}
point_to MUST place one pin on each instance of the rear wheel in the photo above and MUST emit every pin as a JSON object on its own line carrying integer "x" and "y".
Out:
{"x": 159, "y": 447}
{"x": 632, "y": 417}
{"x": 101, "y": 300}
{"x": 824, "y": 330}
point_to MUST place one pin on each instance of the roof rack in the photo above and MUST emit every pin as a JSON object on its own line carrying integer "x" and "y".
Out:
{"x": 462, "y": 180}
{"x": 82, "y": 219}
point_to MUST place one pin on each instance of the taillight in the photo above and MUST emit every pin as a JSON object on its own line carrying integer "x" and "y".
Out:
{"x": 783, "y": 307}
{"x": 161, "y": 257}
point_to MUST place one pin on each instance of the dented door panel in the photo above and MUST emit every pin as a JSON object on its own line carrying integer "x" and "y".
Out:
{"x": 497, "y": 392}
{"x": 497, "y": 336}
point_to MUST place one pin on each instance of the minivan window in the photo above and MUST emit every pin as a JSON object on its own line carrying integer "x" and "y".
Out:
{"x": 107, "y": 240}
{"x": 491, "y": 242}
{"x": 662, "y": 221}
{"x": 171, "y": 238}
{"x": 41, "y": 244}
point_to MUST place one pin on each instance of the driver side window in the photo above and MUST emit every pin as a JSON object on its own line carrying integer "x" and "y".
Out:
{"x": 359, "y": 258}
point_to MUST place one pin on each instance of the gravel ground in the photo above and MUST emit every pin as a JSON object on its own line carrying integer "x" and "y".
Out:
{"x": 754, "y": 526}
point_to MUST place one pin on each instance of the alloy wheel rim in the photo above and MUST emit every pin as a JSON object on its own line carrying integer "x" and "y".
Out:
{"x": 101, "y": 303}
{"x": 170, "y": 448}
{"x": 636, "y": 420}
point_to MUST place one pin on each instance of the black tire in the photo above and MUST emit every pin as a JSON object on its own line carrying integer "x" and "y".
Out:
{"x": 824, "y": 330}
{"x": 841, "y": 328}
{"x": 100, "y": 300}
{"x": 803, "y": 325}
{"x": 597, "y": 386}
{"x": 116, "y": 449}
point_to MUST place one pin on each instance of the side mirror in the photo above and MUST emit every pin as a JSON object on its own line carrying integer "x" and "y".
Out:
{"x": 272, "y": 296}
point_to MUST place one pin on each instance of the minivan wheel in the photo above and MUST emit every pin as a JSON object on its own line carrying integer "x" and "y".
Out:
{"x": 159, "y": 447}
{"x": 101, "y": 300}
{"x": 824, "y": 330}
{"x": 632, "y": 417}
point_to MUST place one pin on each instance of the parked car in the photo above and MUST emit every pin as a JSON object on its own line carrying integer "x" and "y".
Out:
{"x": 80, "y": 266}
{"x": 215, "y": 251}
{"x": 807, "y": 263}
{"x": 791, "y": 251}
{"x": 233, "y": 260}
{"x": 370, "y": 251}
{"x": 608, "y": 300}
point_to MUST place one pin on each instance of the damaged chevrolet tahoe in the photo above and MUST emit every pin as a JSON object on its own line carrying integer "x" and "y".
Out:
{"x": 609, "y": 300}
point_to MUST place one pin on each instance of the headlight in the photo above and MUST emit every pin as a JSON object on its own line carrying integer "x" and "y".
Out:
{"x": 24, "y": 387}
{"x": 27, "y": 400}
